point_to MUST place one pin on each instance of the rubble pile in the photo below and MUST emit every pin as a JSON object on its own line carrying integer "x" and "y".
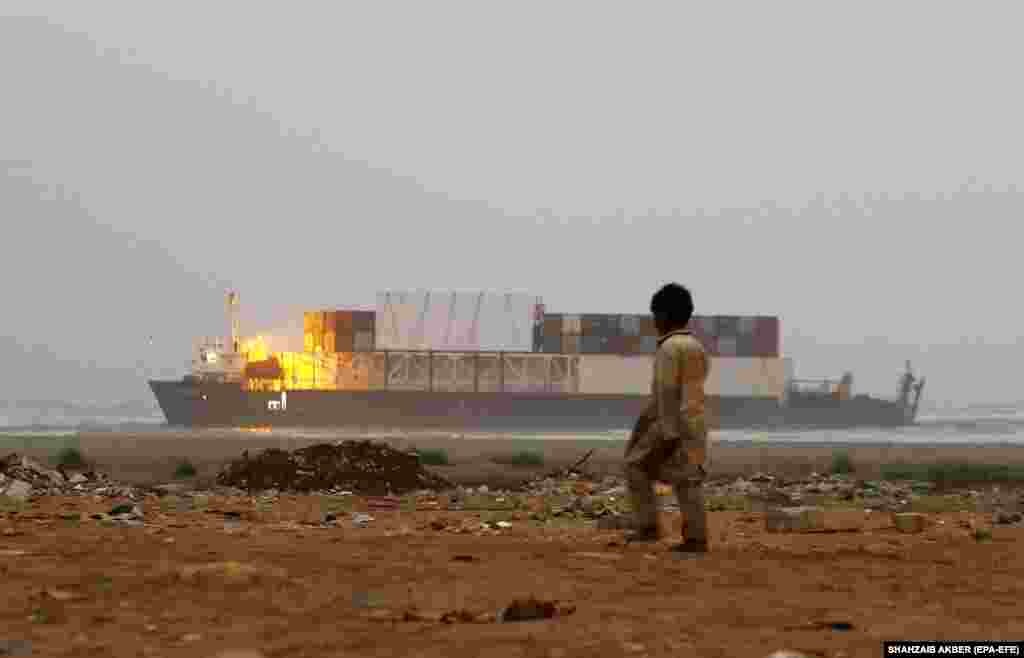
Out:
{"x": 22, "y": 478}
{"x": 364, "y": 467}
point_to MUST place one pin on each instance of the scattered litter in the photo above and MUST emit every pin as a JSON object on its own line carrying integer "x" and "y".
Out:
{"x": 361, "y": 520}
{"x": 533, "y": 609}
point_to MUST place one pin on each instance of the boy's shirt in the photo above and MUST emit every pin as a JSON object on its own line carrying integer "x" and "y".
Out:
{"x": 681, "y": 367}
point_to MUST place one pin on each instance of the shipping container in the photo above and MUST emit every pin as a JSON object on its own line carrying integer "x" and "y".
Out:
{"x": 593, "y": 344}
{"x": 726, "y": 346}
{"x": 363, "y": 320}
{"x": 617, "y": 345}
{"x": 456, "y": 321}
{"x": 611, "y": 374}
{"x": 727, "y": 325}
{"x": 705, "y": 324}
{"x": 746, "y": 346}
{"x": 631, "y": 344}
{"x": 697, "y": 329}
{"x": 343, "y": 343}
{"x": 747, "y": 325}
{"x": 552, "y": 325}
{"x": 362, "y": 341}
{"x": 767, "y": 337}
{"x": 354, "y": 371}
{"x": 647, "y": 327}
{"x": 630, "y": 325}
{"x": 571, "y": 344}
{"x": 329, "y": 343}
{"x": 313, "y": 322}
{"x": 344, "y": 322}
{"x": 571, "y": 325}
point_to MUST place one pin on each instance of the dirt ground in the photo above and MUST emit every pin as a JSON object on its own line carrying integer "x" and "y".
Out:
{"x": 82, "y": 588}
{"x": 204, "y": 575}
{"x": 144, "y": 458}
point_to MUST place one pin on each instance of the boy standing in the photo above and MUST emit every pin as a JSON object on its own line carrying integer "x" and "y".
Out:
{"x": 669, "y": 440}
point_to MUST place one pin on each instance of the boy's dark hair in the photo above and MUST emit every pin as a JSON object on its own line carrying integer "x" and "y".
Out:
{"x": 674, "y": 302}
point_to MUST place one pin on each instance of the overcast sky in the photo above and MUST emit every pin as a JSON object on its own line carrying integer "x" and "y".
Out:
{"x": 854, "y": 168}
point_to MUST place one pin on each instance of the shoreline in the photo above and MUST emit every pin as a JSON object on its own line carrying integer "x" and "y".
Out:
{"x": 152, "y": 457}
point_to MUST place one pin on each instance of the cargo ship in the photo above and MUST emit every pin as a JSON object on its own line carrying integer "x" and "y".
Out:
{"x": 499, "y": 362}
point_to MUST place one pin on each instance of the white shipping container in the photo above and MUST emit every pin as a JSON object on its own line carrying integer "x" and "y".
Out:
{"x": 613, "y": 374}
{"x": 455, "y": 320}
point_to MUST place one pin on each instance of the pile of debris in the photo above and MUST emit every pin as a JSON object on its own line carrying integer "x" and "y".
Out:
{"x": 365, "y": 467}
{"x": 22, "y": 478}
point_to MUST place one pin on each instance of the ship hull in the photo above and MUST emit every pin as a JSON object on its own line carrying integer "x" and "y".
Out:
{"x": 187, "y": 404}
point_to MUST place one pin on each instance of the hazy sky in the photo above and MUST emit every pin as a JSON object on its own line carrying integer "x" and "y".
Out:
{"x": 854, "y": 168}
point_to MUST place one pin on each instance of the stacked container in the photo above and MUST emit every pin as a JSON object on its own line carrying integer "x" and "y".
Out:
{"x": 634, "y": 334}
{"x": 338, "y": 331}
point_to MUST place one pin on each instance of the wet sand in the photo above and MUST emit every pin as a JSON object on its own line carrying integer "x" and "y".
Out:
{"x": 150, "y": 457}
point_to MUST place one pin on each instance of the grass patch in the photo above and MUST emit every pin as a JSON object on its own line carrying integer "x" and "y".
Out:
{"x": 939, "y": 504}
{"x": 9, "y": 505}
{"x": 433, "y": 457}
{"x": 70, "y": 458}
{"x": 334, "y": 504}
{"x": 185, "y": 470}
{"x": 953, "y": 473}
{"x": 841, "y": 463}
{"x": 521, "y": 458}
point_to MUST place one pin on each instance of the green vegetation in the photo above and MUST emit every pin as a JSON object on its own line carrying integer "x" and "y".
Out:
{"x": 521, "y": 458}
{"x": 841, "y": 464}
{"x": 70, "y": 458}
{"x": 184, "y": 470}
{"x": 953, "y": 473}
{"x": 433, "y": 457}
{"x": 11, "y": 505}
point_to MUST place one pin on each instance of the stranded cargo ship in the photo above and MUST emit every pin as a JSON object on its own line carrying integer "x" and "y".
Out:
{"x": 499, "y": 362}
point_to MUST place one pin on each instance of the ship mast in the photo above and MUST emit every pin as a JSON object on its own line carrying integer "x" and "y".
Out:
{"x": 233, "y": 320}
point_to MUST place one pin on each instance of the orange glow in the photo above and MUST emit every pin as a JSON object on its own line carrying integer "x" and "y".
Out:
{"x": 255, "y": 349}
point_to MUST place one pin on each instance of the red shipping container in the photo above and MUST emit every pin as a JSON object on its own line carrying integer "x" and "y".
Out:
{"x": 767, "y": 337}
{"x": 344, "y": 342}
{"x": 344, "y": 322}
{"x": 647, "y": 326}
{"x": 329, "y": 322}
